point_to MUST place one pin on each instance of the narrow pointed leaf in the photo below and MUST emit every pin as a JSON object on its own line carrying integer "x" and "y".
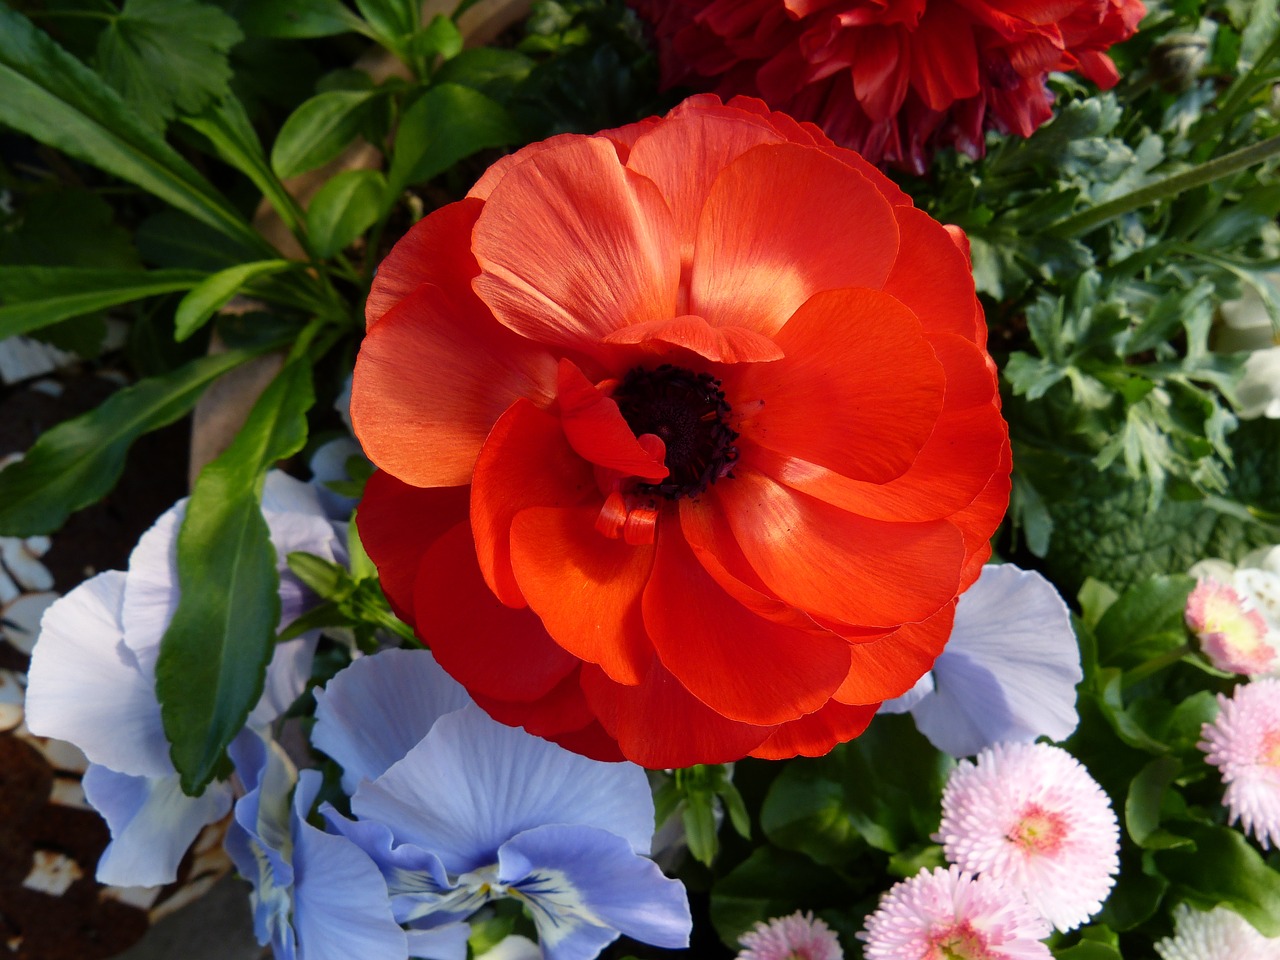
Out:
{"x": 213, "y": 292}
{"x": 344, "y": 208}
{"x": 50, "y": 95}
{"x": 79, "y": 461}
{"x": 318, "y": 130}
{"x": 35, "y": 297}
{"x": 214, "y": 655}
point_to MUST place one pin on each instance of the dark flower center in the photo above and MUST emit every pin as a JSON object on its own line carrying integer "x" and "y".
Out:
{"x": 688, "y": 411}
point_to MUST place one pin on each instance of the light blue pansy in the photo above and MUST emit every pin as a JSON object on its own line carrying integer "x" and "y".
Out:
{"x": 475, "y": 810}
{"x": 92, "y": 683}
{"x": 1008, "y": 673}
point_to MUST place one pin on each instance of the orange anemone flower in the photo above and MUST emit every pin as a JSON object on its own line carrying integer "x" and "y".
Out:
{"x": 688, "y": 438}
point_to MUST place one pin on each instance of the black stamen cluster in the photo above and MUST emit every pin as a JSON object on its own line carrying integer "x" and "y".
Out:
{"x": 689, "y": 412}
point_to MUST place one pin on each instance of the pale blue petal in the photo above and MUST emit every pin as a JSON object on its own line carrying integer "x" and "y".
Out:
{"x": 152, "y": 823}
{"x": 151, "y": 592}
{"x": 287, "y": 676}
{"x": 582, "y": 882}
{"x": 420, "y": 889}
{"x": 473, "y": 783}
{"x": 441, "y": 943}
{"x": 86, "y": 686}
{"x": 1010, "y": 669}
{"x": 282, "y": 493}
{"x": 905, "y": 703}
{"x": 340, "y": 905}
{"x": 377, "y": 709}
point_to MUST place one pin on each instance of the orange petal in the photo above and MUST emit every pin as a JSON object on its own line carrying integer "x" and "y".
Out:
{"x": 433, "y": 375}
{"x": 597, "y": 431}
{"x": 743, "y": 667}
{"x": 585, "y": 587}
{"x": 718, "y": 344}
{"x": 489, "y": 648}
{"x": 859, "y": 391}
{"x": 837, "y": 564}
{"x": 781, "y": 223}
{"x": 815, "y": 734}
{"x": 571, "y": 246}
{"x": 889, "y": 667}
{"x": 932, "y": 277}
{"x": 397, "y": 524}
{"x": 659, "y": 724}
{"x": 525, "y": 462}
{"x": 437, "y": 249}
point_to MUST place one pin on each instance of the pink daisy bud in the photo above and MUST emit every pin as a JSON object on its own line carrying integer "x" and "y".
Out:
{"x": 1219, "y": 934}
{"x": 1232, "y": 634}
{"x": 948, "y": 913}
{"x": 801, "y": 936}
{"x": 1244, "y": 744}
{"x": 1030, "y": 816}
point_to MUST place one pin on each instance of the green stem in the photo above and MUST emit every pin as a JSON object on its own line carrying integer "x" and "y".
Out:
{"x": 1155, "y": 665}
{"x": 1197, "y": 176}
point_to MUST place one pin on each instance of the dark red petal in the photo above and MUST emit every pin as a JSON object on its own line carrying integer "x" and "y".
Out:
{"x": 561, "y": 716}
{"x": 585, "y": 587}
{"x": 397, "y": 524}
{"x": 525, "y": 462}
{"x": 486, "y": 646}
{"x": 743, "y": 667}
{"x": 659, "y": 724}
{"x": 814, "y": 735}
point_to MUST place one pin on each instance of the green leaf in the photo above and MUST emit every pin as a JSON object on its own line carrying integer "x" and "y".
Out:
{"x": 213, "y": 292}
{"x": 79, "y": 461}
{"x": 50, "y": 95}
{"x": 1146, "y": 620}
{"x": 35, "y": 297}
{"x": 297, "y": 19}
{"x": 392, "y": 20}
{"x": 228, "y": 130}
{"x": 168, "y": 56}
{"x": 1089, "y": 950}
{"x": 446, "y": 124}
{"x": 439, "y": 38}
{"x": 772, "y": 883}
{"x": 318, "y": 130}
{"x": 66, "y": 226}
{"x": 214, "y": 654}
{"x": 344, "y": 208}
{"x": 1146, "y": 795}
{"x": 1225, "y": 868}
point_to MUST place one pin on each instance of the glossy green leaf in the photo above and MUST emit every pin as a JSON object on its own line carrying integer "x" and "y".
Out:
{"x": 1145, "y": 620}
{"x": 392, "y": 20}
{"x": 297, "y": 19}
{"x": 50, "y": 95}
{"x": 215, "y": 652}
{"x": 446, "y": 124}
{"x": 1225, "y": 868}
{"x": 35, "y": 297}
{"x": 1088, "y": 950}
{"x": 168, "y": 56}
{"x": 318, "y": 131}
{"x": 1146, "y": 794}
{"x": 79, "y": 461}
{"x": 228, "y": 130}
{"x": 344, "y": 208}
{"x": 213, "y": 292}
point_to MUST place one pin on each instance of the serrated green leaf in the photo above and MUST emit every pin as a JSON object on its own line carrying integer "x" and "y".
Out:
{"x": 1224, "y": 868}
{"x": 297, "y": 19}
{"x": 344, "y": 208}
{"x": 214, "y": 655}
{"x": 168, "y": 56}
{"x": 318, "y": 130}
{"x": 446, "y": 124}
{"x": 78, "y": 461}
{"x": 50, "y": 95}
{"x": 212, "y": 293}
{"x": 35, "y": 297}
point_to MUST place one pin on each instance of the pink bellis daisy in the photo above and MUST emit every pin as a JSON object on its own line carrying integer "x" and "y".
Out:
{"x": 1244, "y": 744}
{"x": 952, "y": 915}
{"x": 800, "y": 936}
{"x": 1030, "y": 816}
{"x": 1219, "y": 934}
{"x": 1232, "y": 634}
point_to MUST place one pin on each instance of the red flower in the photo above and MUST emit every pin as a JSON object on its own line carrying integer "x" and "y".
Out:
{"x": 688, "y": 438}
{"x": 893, "y": 79}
